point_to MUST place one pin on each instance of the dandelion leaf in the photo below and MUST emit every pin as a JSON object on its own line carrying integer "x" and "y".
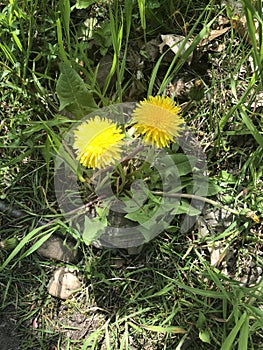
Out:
{"x": 73, "y": 94}
{"x": 92, "y": 230}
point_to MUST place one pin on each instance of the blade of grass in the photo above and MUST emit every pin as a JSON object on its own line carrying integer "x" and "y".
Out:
{"x": 62, "y": 51}
{"x": 213, "y": 276}
{"x": 229, "y": 341}
{"x": 160, "y": 329}
{"x": 224, "y": 120}
{"x": 179, "y": 58}
{"x": 198, "y": 291}
{"x": 124, "y": 344}
{"x": 163, "y": 291}
{"x": 28, "y": 238}
{"x": 254, "y": 30}
{"x": 116, "y": 24}
{"x": 65, "y": 11}
{"x": 141, "y": 5}
{"x": 92, "y": 341}
{"x": 251, "y": 127}
{"x": 243, "y": 336}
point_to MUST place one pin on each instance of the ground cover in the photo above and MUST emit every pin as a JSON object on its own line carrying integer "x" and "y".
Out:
{"x": 194, "y": 289}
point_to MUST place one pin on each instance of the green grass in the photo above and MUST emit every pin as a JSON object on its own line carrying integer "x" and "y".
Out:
{"x": 170, "y": 296}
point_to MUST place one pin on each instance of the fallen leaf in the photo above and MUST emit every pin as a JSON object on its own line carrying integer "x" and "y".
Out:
{"x": 175, "y": 42}
{"x": 240, "y": 25}
{"x": 213, "y": 35}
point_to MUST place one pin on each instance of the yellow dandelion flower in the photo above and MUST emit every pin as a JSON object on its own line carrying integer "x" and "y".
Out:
{"x": 98, "y": 142}
{"x": 158, "y": 120}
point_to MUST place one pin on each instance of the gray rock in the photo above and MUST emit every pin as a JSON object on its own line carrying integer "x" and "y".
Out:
{"x": 56, "y": 248}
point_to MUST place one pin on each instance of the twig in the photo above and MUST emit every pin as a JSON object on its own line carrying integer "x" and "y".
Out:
{"x": 248, "y": 214}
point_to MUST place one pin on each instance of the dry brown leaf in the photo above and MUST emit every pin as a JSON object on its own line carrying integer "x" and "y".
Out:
{"x": 222, "y": 21}
{"x": 215, "y": 33}
{"x": 240, "y": 24}
{"x": 175, "y": 42}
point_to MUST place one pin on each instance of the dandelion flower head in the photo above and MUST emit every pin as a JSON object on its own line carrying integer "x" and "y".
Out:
{"x": 158, "y": 119}
{"x": 98, "y": 142}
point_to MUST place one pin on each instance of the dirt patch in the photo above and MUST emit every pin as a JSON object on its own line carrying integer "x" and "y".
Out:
{"x": 9, "y": 340}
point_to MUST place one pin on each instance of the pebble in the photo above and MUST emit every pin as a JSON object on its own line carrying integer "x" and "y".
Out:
{"x": 55, "y": 248}
{"x": 63, "y": 283}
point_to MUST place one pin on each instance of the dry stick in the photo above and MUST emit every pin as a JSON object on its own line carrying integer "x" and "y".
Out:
{"x": 193, "y": 196}
{"x": 85, "y": 206}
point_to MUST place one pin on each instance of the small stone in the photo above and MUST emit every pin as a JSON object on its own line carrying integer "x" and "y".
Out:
{"x": 63, "y": 284}
{"x": 55, "y": 248}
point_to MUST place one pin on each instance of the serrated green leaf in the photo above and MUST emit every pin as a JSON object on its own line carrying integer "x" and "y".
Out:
{"x": 151, "y": 228}
{"x": 213, "y": 189}
{"x": 102, "y": 214}
{"x": 226, "y": 177}
{"x": 73, "y": 94}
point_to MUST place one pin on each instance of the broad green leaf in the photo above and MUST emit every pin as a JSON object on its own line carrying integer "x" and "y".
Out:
{"x": 227, "y": 178}
{"x": 92, "y": 230}
{"x": 102, "y": 214}
{"x": 83, "y": 4}
{"x": 151, "y": 228}
{"x": 153, "y": 4}
{"x": 184, "y": 163}
{"x": 204, "y": 336}
{"x": 186, "y": 208}
{"x": 143, "y": 214}
{"x": 213, "y": 189}
{"x": 73, "y": 94}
